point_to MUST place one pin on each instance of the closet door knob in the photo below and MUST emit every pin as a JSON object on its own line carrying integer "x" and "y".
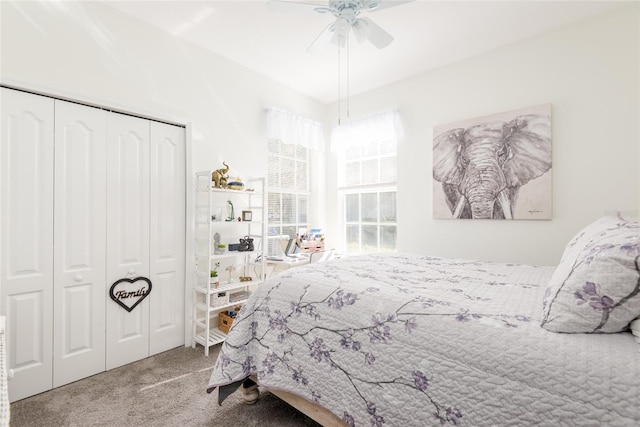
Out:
{"x": 132, "y": 271}
{"x": 78, "y": 278}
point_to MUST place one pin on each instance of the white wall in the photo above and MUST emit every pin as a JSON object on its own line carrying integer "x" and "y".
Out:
{"x": 589, "y": 72}
{"x": 89, "y": 51}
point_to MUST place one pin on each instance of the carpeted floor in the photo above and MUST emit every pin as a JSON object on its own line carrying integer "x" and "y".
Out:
{"x": 167, "y": 389}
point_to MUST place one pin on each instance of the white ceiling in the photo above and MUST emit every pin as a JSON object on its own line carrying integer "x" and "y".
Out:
{"x": 428, "y": 34}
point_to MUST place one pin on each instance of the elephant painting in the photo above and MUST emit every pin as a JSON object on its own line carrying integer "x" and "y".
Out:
{"x": 482, "y": 166}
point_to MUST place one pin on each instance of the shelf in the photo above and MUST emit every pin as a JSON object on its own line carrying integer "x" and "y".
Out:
{"x": 216, "y": 336}
{"x": 227, "y": 254}
{"x": 203, "y": 307}
{"x": 227, "y": 191}
{"x": 208, "y": 202}
{"x": 224, "y": 287}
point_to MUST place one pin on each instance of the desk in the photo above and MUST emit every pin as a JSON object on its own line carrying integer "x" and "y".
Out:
{"x": 285, "y": 262}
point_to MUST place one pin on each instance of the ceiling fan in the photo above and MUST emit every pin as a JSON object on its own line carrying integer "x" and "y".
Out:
{"x": 347, "y": 14}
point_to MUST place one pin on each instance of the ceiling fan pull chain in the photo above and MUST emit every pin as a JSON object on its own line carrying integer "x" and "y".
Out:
{"x": 348, "y": 78}
{"x": 339, "y": 94}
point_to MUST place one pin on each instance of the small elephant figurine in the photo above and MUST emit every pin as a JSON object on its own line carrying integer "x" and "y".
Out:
{"x": 217, "y": 250}
{"x": 483, "y": 166}
{"x": 220, "y": 177}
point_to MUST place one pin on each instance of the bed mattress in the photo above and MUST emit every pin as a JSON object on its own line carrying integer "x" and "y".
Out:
{"x": 408, "y": 340}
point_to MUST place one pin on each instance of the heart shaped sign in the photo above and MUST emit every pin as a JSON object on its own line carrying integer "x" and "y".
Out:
{"x": 128, "y": 293}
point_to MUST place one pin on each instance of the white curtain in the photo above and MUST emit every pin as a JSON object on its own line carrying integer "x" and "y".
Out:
{"x": 381, "y": 127}
{"x": 294, "y": 129}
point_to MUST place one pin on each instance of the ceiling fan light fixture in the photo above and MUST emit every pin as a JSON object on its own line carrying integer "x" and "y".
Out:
{"x": 342, "y": 26}
{"x": 361, "y": 30}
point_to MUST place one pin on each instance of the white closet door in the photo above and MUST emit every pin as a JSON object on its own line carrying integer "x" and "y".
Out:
{"x": 26, "y": 249}
{"x": 79, "y": 239}
{"x": 167, "y": 219}
{"x": 127, "y": 234}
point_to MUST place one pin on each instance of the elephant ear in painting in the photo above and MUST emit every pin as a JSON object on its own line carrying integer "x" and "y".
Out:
{"x": 529, "y": 139}
{"x": 446, "y": 149}
{"x": 446, "y": 169}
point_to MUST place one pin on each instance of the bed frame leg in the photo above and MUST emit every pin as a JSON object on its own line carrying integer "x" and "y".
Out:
{"x": 250, "y": 392}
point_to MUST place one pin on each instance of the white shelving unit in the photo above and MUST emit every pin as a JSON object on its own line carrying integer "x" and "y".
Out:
{"x": 208, "y": 300}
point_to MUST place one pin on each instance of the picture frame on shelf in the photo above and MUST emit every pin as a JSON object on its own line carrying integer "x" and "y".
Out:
{"x": 247, "y": 215}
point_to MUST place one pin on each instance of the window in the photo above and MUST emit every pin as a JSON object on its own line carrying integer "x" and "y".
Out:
{"x": 291, "y": 142}
{"x": 369, "y": 198}
{"x": 288, "y": 196}
{"x": 367, "y": 165}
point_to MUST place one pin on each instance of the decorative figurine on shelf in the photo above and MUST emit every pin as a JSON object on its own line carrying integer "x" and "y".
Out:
{"x": 236, "y": 184}
{"x": 230, "y": 212}
{"x": 213, "y": 274}
{"x": 220, "y": 177}
{"x": 218, "y": 248}
{"x": 244, "y": 277}
{"x": 231, "y": 268}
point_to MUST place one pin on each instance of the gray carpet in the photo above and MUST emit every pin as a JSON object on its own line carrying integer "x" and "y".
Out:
{"x": 167, "y": 389}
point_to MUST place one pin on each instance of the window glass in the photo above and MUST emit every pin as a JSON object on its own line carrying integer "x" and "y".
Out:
{"x": 288, "y": 208}
{"x": 287, "y": 174}
{"x": 388, "y": 234}
{"x": 353, "y": 238}
{"x": 370, "y": 171}
{"x": 369, "y": 207}
{"x": 388, "y": 207}
{"x": 369, "y": 238}
{"x": 352, "y": 207}
{"x": 273, "y": 211}
{"x": 302, "y": 210}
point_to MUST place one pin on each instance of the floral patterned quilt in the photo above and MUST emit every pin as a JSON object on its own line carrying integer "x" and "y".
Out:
{"x": 408, "y": 340}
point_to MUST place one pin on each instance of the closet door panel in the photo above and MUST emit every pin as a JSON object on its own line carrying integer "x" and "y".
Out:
{"x": 127, "y": 235}
{"x": 26, "y": 248}
{"x": 80, "y": 239}
{"x": 167, "y": 221}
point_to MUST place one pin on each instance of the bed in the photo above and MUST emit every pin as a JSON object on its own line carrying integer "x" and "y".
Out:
{"x": 414, "y": 340}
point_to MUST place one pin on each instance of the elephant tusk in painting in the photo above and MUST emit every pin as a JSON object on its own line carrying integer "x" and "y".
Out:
{"x": 481, "y": 167}
{"x": 458, "y": 210}
{"x": 503, "y": 199}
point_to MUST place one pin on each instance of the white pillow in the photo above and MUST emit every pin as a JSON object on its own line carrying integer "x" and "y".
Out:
{"x": 596, "y": 286}
{"x": 635, "y": 329}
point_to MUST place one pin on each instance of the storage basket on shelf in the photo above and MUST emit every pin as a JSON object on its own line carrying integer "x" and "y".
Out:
{"x": 224, "y": 322}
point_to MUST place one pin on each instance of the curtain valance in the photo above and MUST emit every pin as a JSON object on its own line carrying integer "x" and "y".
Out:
{"x": 381, "y": 127}
{"x": 292, "y": 128}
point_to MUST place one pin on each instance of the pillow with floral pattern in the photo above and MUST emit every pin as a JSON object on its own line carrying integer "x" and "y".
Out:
{"x": 596, "y": 286}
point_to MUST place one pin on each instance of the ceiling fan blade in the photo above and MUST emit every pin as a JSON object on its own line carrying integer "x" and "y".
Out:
{"x": 361, "y": 30}
{"x": 377, "y": 36}
{"x": 323, "y": 39}
{"x": 375, "y": 5}
{"x": 293, "y": 6}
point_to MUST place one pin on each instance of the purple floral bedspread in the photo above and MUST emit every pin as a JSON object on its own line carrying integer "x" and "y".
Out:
{"x": 408, "y": 340}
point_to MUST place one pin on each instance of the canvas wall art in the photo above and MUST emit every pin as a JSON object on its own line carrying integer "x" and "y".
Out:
{"x": 494, "y": 167}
